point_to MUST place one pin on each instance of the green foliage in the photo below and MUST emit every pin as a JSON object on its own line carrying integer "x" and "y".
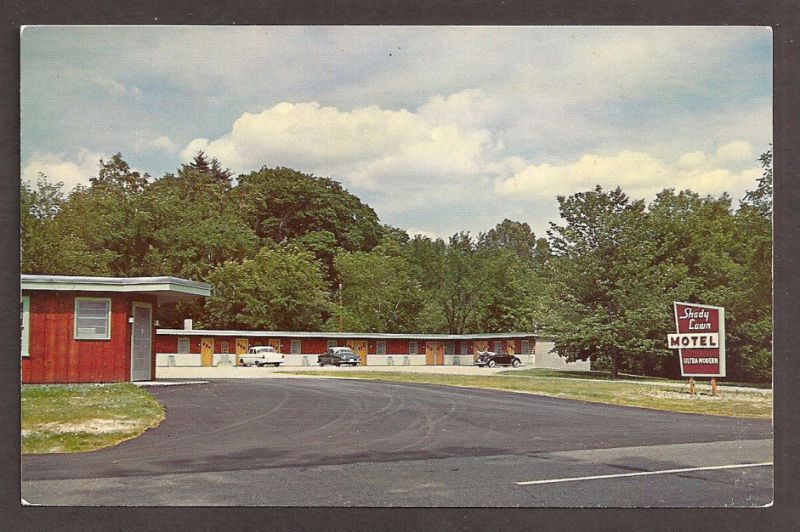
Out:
{"x": 281, "y": 288}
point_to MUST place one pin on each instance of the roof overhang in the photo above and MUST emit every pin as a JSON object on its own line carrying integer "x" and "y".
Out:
{"x": 166, "y": 289}
{"x": 343, "y": 335}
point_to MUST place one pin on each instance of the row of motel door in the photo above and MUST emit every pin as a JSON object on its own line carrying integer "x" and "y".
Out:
{"x": 434, "y": 351}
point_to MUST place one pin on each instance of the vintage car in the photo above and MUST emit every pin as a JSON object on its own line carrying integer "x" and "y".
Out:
{"x": 492, "y": 359}
{"x": 261, "y": 355}
{"x": 338, "y": 356}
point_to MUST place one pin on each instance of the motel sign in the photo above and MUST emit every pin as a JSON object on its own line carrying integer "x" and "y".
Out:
{"x": 700, "y": 339}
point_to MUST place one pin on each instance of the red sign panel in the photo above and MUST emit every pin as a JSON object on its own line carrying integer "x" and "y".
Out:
{"x": 700, "y": 340}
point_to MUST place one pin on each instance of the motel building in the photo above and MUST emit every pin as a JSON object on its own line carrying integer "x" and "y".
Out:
{"x": 197, "y": 347}
{"x": 94, "y": 329}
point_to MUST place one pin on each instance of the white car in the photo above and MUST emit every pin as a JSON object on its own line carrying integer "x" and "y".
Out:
{"x": 261, "y": 355}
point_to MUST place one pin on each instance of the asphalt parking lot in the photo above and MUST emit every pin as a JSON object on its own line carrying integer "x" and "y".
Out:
{"x": 330, "y": 442}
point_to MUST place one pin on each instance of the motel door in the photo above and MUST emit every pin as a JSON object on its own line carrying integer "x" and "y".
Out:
{"x": 510, "y": 347}
{"x": 359, "y": 347}
{"x": 242, "y": 345}
{"x": 434, "y": 353}
{"x": 206, "y": 351}
{"x": 479, "y": 346}
{"x": 141, "y": 342}
{"x": 276, "y": 343}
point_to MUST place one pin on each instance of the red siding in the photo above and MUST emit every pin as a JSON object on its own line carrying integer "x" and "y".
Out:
{"x": 314, "y": 346}
{"x": 55, "y": 356}
{"x": 397, "y": 347}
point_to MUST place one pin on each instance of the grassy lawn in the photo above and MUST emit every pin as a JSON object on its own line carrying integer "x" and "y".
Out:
{"x": 553, "y": 384}
{"x": 64, "y": 418}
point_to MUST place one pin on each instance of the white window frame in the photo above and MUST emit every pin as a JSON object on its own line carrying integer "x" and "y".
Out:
{"x": 525, "y": 347}
{"x": 292, "y": 350}
{"x": 380, "y": 347}
{"x": 91, "y": 336}
{"x": 25, "y": 333}
{"x": 413, "y": 349}
{"x": 450, "y": 348}
{"x": 223, "y": 347}
{"x": 498, "y": 346}
{"x": 188, "y": 345}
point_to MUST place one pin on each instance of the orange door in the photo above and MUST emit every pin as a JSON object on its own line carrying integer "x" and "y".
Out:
{"x": 359, "y": 347}
{"x": 510, "y": 347}
{"x": 434, "y": 353}
{"x": 276, "y": 343}
{"x": 242, "y": 345}
{"x": 479, "y": 346}
{"x": 206, "y": 351}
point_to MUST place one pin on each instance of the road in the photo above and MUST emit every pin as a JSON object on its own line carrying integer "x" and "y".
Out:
{"x": 331, "y": 442}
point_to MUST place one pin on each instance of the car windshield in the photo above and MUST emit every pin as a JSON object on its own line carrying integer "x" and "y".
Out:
{"x": 347, "y": 352}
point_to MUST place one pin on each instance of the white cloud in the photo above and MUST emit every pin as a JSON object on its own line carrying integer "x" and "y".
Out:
{"x": 639, "y": 174}
{"x": 369, "y": 147}
{"x": 738, "y": 150}
{"x": 114, "y": 87}
{"x": 71, "y": 171}
{"x": 163, "y": 143}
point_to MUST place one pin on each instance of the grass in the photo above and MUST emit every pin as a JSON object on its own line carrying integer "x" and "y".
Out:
{"x": 65, "y": 418}
{"x": 659, "y": 396}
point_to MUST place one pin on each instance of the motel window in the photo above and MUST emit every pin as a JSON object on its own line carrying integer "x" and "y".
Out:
{"x": 498, "y": 346}
{"x": 24, "y": 309}
{"x": 333, "y": 343}
{"x": 381, "y": 347}
{"x": 183, "y": 345}
{"x": 92, "y": 318}
{"x": 412, "y": 347}
{"x": 450, "y": 348}
{"x": 295, "y": 349}
{"x": 464, "y": 347}
{"x": 223, "y": 346}
{"x": 526, "y": 347}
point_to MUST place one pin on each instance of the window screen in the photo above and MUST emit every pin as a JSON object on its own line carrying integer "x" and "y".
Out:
{"x": 295, "y": 347}
{"x": 183, "y": 345}
{"x": 526, "y": 347}
{"x": 92, "y": 319}
{"x": 412, "y": 347}
{"x": 498, "y": 346}
{"x": 381, "y": 347}
{"x": 333, "y": 343}
{"x": 450, "y": 348}
{"x": 223, "y": 346}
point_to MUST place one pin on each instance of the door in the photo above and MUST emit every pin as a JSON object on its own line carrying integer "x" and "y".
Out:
{"x": 434, "y": 353}
{"x": 479, "y": 346}
{"x": 510, "y": 348}
{"x": 276, "y": 343}
{"x": 142, "y": 342}
{"x": 206, "y": 351}
{"x": 242, "y": 345}
{"x": 359, "y": 347}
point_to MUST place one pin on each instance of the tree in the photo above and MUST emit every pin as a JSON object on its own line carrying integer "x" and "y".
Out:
{"x": 610, "y": 291}
{"x": 516, "y": 237}
{"x": 117, "y": 173}
{"x": 378, "y": 292}
{"x": 281, "y": 288}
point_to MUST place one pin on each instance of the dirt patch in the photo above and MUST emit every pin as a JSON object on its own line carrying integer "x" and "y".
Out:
{"x": 90, "y": 426}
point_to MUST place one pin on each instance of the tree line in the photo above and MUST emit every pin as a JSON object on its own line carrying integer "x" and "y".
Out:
{"x": 283, "y": 249}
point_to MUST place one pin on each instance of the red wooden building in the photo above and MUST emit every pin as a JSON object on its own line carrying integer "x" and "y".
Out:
{"x": 193, "y": 347}
{"x": 94, "y": 329}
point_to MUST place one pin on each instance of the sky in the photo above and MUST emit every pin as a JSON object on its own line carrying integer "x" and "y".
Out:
{"x": 439, "y": 129}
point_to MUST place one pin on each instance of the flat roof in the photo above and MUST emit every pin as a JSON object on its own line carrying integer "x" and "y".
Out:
{"x": 348, "y": 335}
{"x": 167, "y": 289}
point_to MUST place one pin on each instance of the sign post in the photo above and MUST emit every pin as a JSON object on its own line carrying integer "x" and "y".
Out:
{"x": 700, "y": 341}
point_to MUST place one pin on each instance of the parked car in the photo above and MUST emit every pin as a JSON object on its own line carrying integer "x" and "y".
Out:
{"x": 261, "y": 355}
{"x": 491, "y": 359}
{"x": 338, "y": 356}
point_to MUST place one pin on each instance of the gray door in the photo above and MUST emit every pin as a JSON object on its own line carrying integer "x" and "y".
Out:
{"x": 141, "y": 342}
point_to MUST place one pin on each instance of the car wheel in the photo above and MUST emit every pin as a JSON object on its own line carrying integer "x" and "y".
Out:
{"x": 491, "y": 363}
{"x": 258, "y": 364}
{"x": 515, "y": 362}
{"x": 277, "y": 364}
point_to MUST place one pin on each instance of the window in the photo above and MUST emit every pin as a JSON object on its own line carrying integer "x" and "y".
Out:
{"x": 498, "y": 346}
{"x": 450, "y": 348}
{"x": 295, "y": 350}
{"x": 526, "y": 347}
{"x": 183, "y": 345}
{"x": 412, "y": 347}
{"x": 381, "y": 347}
{"x": 332, "y": 343}
{"x": 223, "y": 346}
{"x": 92, "y": 318}
{"x": 24, "y": 309}
{"x": 463, "y": 347}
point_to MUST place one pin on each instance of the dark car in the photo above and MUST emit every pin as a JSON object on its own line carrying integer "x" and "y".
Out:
{"x": 490, "y": 359}
{"x": 338, "y": 356}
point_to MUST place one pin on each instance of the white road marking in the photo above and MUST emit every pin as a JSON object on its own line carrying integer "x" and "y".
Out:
{"x": 642, "y": 473}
